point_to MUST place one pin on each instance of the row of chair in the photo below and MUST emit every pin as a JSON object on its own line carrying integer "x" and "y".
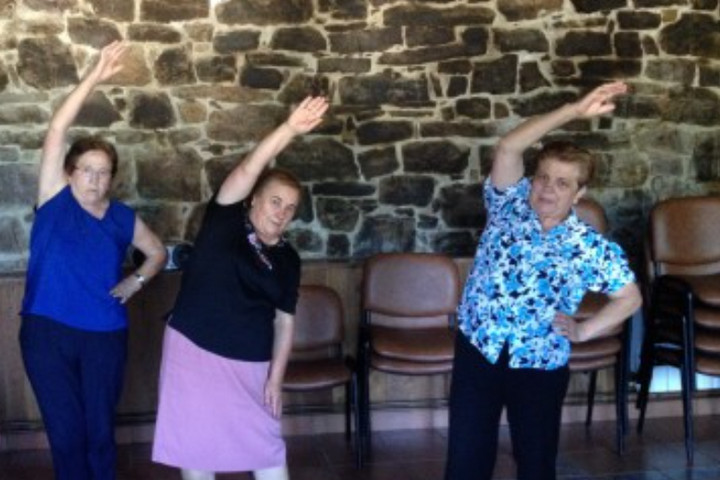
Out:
{"x": 409, "y": 301}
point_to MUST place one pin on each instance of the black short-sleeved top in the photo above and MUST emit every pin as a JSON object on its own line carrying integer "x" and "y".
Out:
{"x": 230, "y": 290}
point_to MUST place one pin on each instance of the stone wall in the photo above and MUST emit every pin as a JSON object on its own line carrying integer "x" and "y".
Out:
{"x": 420, "y": 92}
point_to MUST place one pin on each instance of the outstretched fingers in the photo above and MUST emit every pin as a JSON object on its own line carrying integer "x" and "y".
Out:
{"x": 308, "y": 115}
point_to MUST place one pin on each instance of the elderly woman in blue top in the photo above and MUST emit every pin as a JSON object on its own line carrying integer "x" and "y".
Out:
{"x": 74, "y": 329}
{"x": 534, "y": 263}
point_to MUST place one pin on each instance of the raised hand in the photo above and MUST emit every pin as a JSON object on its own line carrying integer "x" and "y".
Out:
{"x": 108, "y": 63}
{"x": 307, "y": 115}
{"x": 600, "y": 100}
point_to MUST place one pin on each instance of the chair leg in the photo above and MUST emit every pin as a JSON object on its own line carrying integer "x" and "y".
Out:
{"x": 592, "y": 387}
{"x": 620, "y": 405}
{"x": 686, "y": 374}
{"x": 645, "y": 375}
{"x": 358, "y": 422}
{"x": 348, "y": 400}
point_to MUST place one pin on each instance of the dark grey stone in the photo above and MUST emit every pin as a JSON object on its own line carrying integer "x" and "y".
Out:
{"x": 384, "y": 233}
{"x": 709, "y": 76}
{"x": 173, "y": 67}
{"x": 440, "y": 156}
{"x": 627, "y": 45}
{"x": 118, "y": 10}
{"x": 694, "y": 34}
{"x": 424, "y": 35}
{"x": 448, "y": 128}
{"x": 97, "y": 111}
{"x": 695, "y": 106}
{"x": 238, "y": 41}
{"x": 478, "y": 108}
{"x": 590, "y": 6}
{"x": 677, "y": 70}
{"x": 610, "y": 69}
{"x": 418, "y": 15}
{"x": 425, "y": 55}
{"x": 456, "y": 67}
{"x": 22, "y": 114}
{"x": 378, "y": 162}
{"x": 541, "y": 103}
{"x": 244, "y": 123}
{"x": 13, "y": 238}
{"x": 163, "y": 11}
{"x": 514, "y": 40}
{"x": 515, "y": 10}
{"x": 267, "y": 78}
{"x": 216, "y": 69}
{"x": 151, "y": 32}
{"x": 383, "y": 132}
{"x": 496, "y": 76}
{"x": 457, "y": 86}
{"x": 582, "y": 43}
{"x": 151, "y": 111}
{"x": 337, "y": 214}
{"x": 344, "y": 65}
{"x": 638, "y": 20}
{"x": 383, "y": 88}
{"x": 319, "y": 159}
{"x": 267, "y": 12}
{"x": 344, "y": 189}
{"x": 93, "y": 32}
{"x": 706, "y": 158}
{"x": 462, "y": 206}
{"x": 338, "y": 246}
{"x": 531, "y": 78}
{"x": 273, "y": 59}
{"x": 372, "y": 40}
{"x": 298, "y": 39}
{"x": 170, "y": 175}
{"x": 305, "y": 240}
{"x": 18, "y": 184}
{"x": 344, "y": 9}
{"x": 45, "y": 63}
{"x": 406, "y": 190}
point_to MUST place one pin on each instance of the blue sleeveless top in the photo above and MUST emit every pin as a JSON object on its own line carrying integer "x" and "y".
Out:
{"x": 75, "y": 260}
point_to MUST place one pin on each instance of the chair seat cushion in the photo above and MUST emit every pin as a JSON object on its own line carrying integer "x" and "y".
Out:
{"x": 404, "y": 367}
{"x": 603, "y": 347}
{"x": 592, "y": 363}
{"x": 708, "y": 317}
{"x": 316, "y": 374}
{"x": 417, "y": 345}
{"x": 706, "y": 288}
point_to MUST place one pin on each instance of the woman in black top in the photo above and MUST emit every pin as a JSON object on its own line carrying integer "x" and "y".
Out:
{"x": 228, "y": 341}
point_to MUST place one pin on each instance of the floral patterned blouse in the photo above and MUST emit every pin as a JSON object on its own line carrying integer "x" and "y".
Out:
{"x": 522, "y": 276}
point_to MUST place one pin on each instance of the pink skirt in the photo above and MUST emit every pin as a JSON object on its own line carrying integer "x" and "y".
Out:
{"x": 211, "y": 415}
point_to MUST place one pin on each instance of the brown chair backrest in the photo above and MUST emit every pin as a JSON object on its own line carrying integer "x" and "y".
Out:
{"x": 592, "y": 213}
{"x": 410, "y": 289}
{"x": 684, "y": 236}
{"x": 319, "y": 323}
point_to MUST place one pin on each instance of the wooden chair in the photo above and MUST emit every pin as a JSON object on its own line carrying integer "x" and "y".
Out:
{"x": 682, "y": 318}
{"x": 408, "y": 315}
{"x": 317, "y": 361}
{"x": 610, "y": 350}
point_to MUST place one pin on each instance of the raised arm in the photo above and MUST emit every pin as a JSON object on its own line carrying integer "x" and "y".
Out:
{"x": 240, "y": 181}
{"x": 52, "y": 177}
{"x": 508, "y": 166}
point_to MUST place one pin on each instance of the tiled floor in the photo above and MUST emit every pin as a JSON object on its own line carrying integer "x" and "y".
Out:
{"x": 419, "y": 455}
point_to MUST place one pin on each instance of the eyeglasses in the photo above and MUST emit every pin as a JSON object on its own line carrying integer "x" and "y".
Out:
{"x": 89, "y": 173}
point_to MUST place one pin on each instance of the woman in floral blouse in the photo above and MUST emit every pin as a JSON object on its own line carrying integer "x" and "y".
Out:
{"x": 533, "y": 265}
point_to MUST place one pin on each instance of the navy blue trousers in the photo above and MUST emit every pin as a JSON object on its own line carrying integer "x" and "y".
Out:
{"x": 478, "y": 393}
{"x": 77, "y": 378}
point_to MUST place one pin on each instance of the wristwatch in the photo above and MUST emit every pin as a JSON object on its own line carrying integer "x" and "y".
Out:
{"x": 140, "y": 278}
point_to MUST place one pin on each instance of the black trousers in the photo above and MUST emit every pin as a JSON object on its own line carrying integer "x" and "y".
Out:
{"x": 77, "y": 378}
{"x": 478, "y": 393}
